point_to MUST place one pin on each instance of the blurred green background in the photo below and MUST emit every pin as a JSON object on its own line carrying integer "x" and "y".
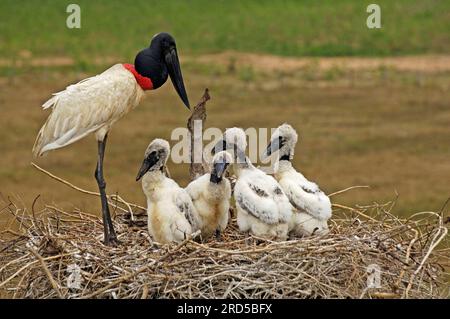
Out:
{"x": 290, "y": 28}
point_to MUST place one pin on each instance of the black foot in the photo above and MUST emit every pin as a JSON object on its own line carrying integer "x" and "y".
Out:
{"x": 112, "y": 241}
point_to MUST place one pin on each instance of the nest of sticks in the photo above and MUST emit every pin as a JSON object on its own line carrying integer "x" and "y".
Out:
{"x": 369, "y": 253}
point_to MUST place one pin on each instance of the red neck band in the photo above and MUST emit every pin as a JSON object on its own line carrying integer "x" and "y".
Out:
{"x": 144, "y": 82}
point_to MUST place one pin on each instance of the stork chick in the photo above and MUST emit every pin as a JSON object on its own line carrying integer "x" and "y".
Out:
{"x": 211, "y": 195}
{"x": 313, "y": 207}
{"x": 171, "y": 214}
{"x": 262, "y": 207}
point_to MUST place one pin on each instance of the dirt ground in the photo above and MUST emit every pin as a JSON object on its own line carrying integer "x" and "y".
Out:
{"x": 265, "y": 62}
{"x": 431, "y": 63}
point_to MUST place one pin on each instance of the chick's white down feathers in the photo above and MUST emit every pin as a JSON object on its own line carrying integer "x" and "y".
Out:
{"x": 211, "y": 199}
{"x": 262, "y": 207}
{"x": 313, "y": 206}
{"x": 171, "y": 214}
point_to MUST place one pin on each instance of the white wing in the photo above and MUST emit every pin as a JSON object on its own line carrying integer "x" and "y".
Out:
{"x": 194, "y": 188}
{"x": 86, "y": 107}
{"x": 306, "y": 196}
{"x": 284, "y": 206}
{"x": 261, "y": 196}
{"x": 180, "y": 229}
{"x": 186, "y": 207}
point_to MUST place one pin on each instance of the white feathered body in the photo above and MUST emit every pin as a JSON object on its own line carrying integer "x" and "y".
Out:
{"x": 304, "y": 225}
{"x": 212, "y": 203}
{"x": 171, "y": 214}
{"x": 262, "y": 207}
{"x": 90, "y": 106}
{"x": 313, "y": 206}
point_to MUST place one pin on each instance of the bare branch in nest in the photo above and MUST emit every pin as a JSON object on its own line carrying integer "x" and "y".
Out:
{"x": 195, "y": 126}
{"x": 347, "y": 189}
{"x": 112, "y": 199}
{"x": 47, "y": 272}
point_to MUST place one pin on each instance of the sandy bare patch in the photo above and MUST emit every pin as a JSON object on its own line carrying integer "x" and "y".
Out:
{"x": 23, "y": 61}
{"x": 265, "y": 62}
{"x": 37, "y": 62}
{"x": 423, "y": 63}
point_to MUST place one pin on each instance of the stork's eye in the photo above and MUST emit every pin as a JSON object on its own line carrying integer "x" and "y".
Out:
{"x": 161, "y": 152}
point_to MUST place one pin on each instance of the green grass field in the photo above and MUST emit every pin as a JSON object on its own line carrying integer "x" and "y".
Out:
{"x": 119, "y": 28}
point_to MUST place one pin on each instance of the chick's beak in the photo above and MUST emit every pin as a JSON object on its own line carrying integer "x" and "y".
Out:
{"x": 147, "y": 164}
{"x": 273, "y": 146}
{"x": 218, "y": 171}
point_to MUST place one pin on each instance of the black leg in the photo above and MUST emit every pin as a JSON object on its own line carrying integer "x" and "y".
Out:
{"x": 108, "y": 227}
{"x": 218, "y": 235}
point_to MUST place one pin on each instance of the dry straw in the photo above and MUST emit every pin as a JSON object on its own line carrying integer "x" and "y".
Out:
{"x": 41, "y": 252}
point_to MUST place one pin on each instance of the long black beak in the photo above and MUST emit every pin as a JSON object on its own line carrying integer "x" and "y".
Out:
{"x": 221, "y": 145}
{"x": 274, "y": 146}
{"x": 147, "y": 164}
{"x": 173, "y": 65}
{"x": 217, "y": 172}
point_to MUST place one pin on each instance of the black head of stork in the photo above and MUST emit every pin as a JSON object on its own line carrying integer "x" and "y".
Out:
{"x": 155, "y": 157}
{"x": 159, "y": 61}
{"x": 220, "y": 163}
{"x": 283, "y": 140}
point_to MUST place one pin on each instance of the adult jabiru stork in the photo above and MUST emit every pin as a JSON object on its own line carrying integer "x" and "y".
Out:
{"x": 93, "y": 105}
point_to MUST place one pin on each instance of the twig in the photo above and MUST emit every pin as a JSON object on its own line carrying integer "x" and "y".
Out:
{"x": 144, "y": 292}
{"x": 59, "y": 179}
{"x": 34, "y": 214}
{"x": 47, "y": 272}
{"x": 435, "y": 242}
{"x": 355, "y": 211}
{"x": 347, "y": 189}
